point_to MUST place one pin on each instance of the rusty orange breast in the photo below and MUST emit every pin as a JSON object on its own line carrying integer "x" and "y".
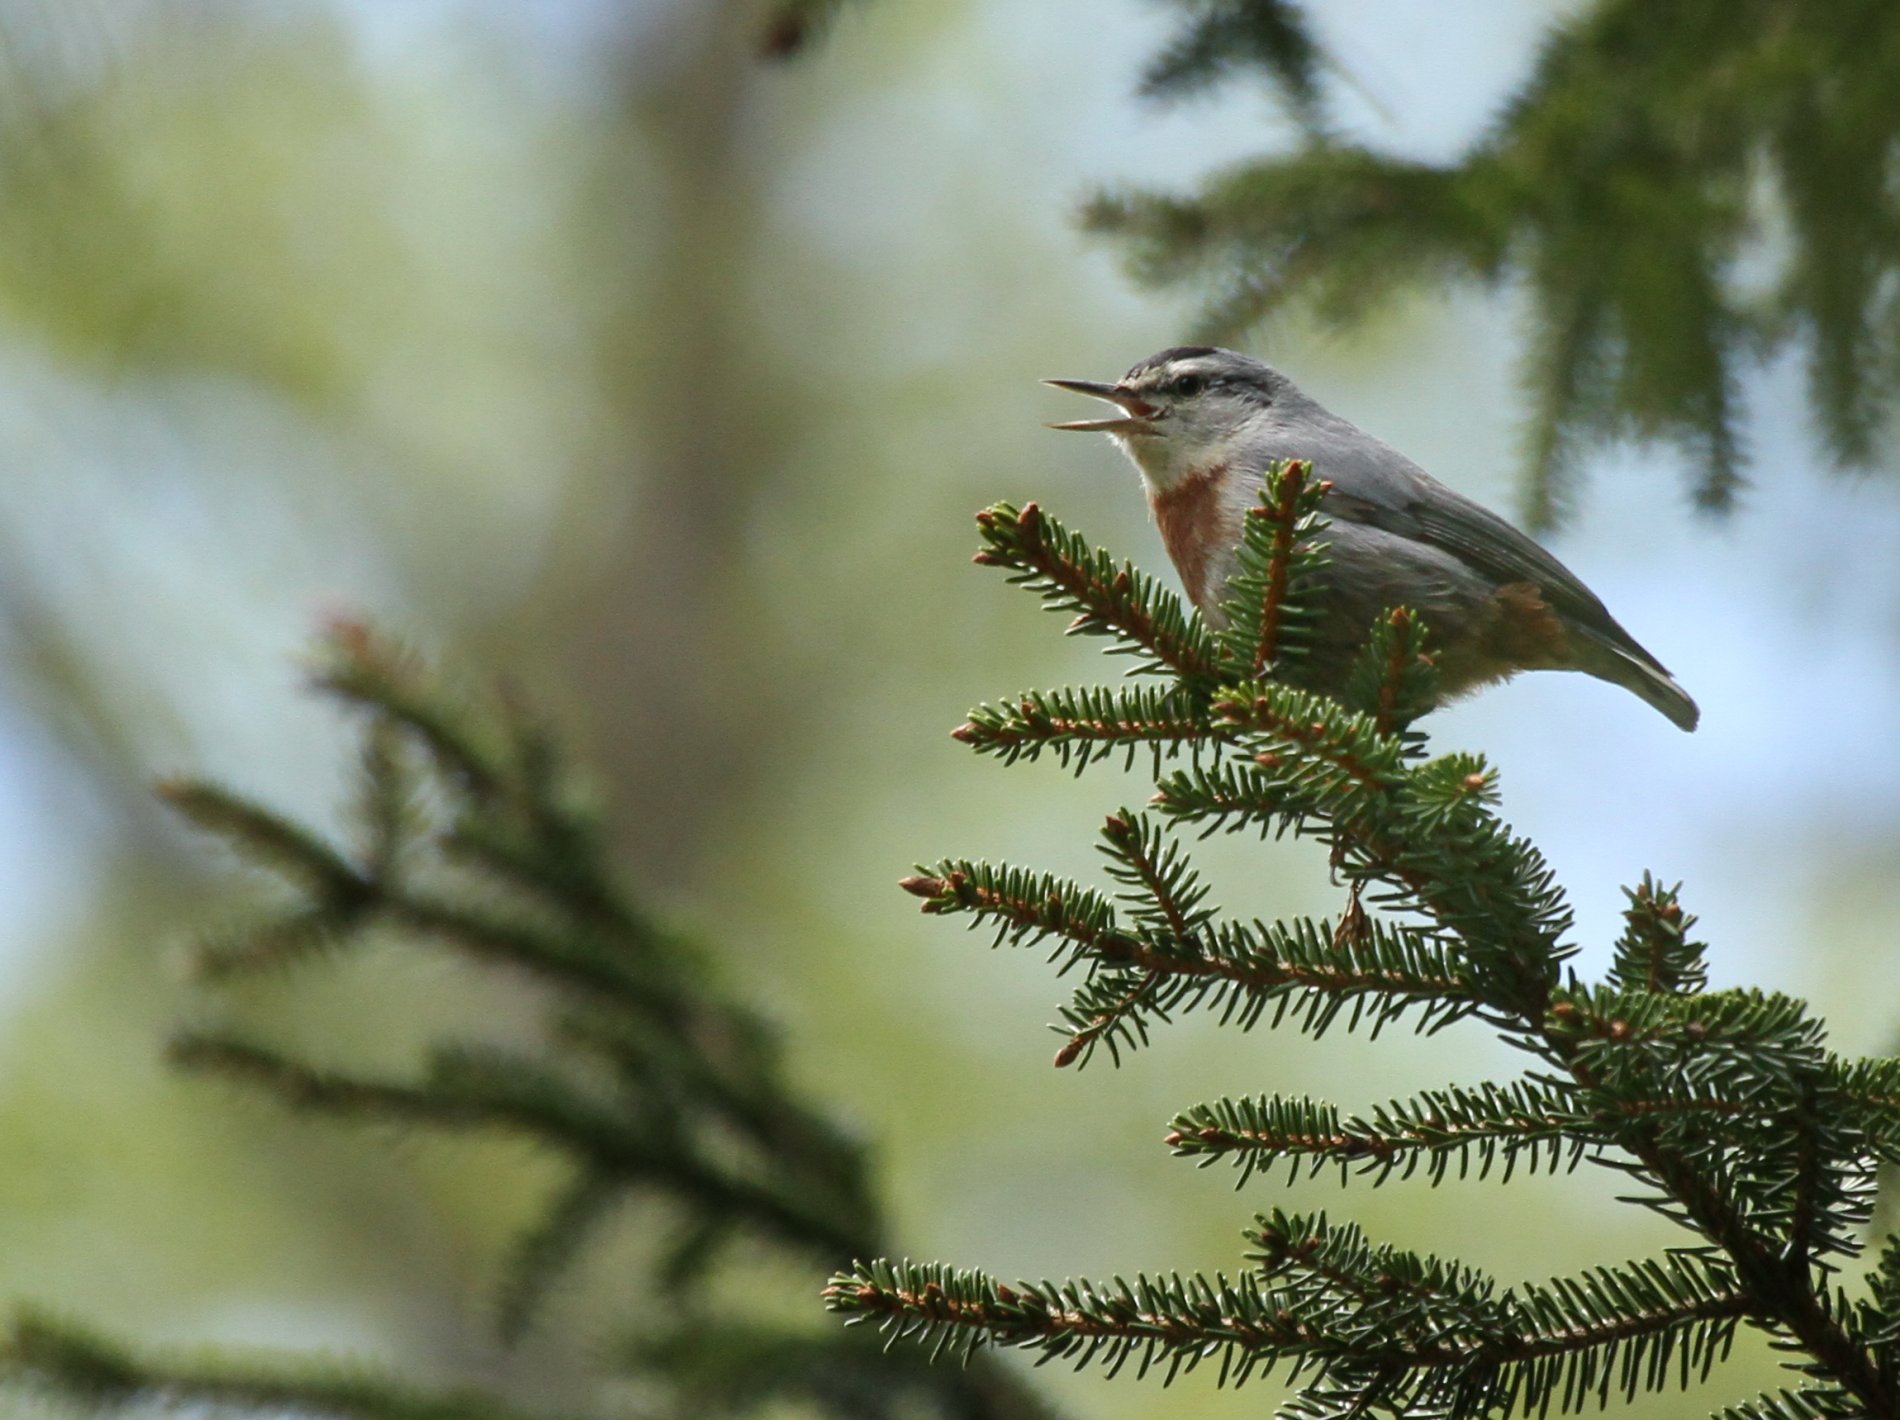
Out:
{"x": 1191, "y": 520}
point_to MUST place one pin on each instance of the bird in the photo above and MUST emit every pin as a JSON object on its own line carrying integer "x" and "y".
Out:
{"x": 1203, "y": 425}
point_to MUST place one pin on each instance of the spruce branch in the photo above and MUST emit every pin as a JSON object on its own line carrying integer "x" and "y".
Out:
{"x": 548, "y": 1250}
{"x": 1221, "y": 37}
{"x": 1622, "y": 191}
{"x": 275, "y": 939}
{"x": 567, "y": 959}
{"x": 1655, "y": 952}
{"x": 1568, "y": 363}
{"x": 1391, "y": 1332}
{"x": 1268, "y": 601}
{"x": 83, "y": 1366}
{"x": 1327, "y": 748}
{"x": 1305, "y": 974}
{"x": 1333, "y": 225}
{"x": 1174, "y": 1323}
{"x": 1724, "y": 1108}
{"x": 391, "y": 809}
{"x": 1086, "y": 726}
{"x": 1536, "y": 1345}
{"x": 1112, "y": 1008}
{"x": 1788, "y": 1296}
{"x": 1528, "y": 1124}
{"x": 1619, "y": 1330}
{"x": 1164, "y": 893}
{"x": 1878, "y": 1314}
{"x": 1147, "y": 621}
{"x": 1025, "y": 907}
{"x": 639, "y": 1072}
{"x": 378, "y": 675}
{"x": 1824, "y": 1402}
{"x": 1870, "y": 1089}
{"x": 273, "y": 842}
{"x": 1318, "y": 1261}
{"x": 1760, "y": 1042}
{"x": 1301, "y": 971}
{"x": 1394, "y": 679}
{"x": 1424, "y": 833}
{"x": 486, "y": 1091}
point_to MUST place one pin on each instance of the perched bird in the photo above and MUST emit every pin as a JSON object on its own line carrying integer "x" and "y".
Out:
{"x": 1202, "y": 425}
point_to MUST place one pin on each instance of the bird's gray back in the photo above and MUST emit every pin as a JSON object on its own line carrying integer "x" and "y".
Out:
{"x": 1376, "y": 485}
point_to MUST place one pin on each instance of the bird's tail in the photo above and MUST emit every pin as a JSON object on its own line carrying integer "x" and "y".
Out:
{"x": 1641, "y": 674}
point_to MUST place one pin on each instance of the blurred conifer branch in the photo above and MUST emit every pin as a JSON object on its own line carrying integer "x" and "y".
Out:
{"x": 791, "y": 25}
{"x": 1722, "y": 1111}
{"x": 1219, "y": 40}
{"x": 646, "y": 1076}
{"x": 73, "y": 1363}
{"x": 1677, "y": 192}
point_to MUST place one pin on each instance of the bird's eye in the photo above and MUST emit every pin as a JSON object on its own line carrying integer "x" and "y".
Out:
{"x": 1187, "y": 386}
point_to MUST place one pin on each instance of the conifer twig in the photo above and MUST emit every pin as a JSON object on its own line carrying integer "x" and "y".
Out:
{"x": 1103, "y": 598}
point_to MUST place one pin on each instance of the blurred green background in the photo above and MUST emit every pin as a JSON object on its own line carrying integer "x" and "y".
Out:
{"x": 571, "y": 342}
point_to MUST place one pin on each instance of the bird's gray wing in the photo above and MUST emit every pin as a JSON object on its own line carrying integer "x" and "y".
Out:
{"x": 1376, "y": 485}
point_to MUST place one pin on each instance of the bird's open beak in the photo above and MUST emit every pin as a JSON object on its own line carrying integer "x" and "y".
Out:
{"x": 1140, "y": 417}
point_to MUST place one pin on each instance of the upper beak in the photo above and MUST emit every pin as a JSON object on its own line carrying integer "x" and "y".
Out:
{"x": 1141, "y": 414}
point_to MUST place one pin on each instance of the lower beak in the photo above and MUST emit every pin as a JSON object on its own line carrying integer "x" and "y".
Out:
{"x": 1139, "y": 420}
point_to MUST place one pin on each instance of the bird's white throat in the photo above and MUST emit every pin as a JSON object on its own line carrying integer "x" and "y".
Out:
{"x": 1168, "y": 461}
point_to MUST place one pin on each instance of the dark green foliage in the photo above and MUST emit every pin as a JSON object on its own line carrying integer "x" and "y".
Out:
{"x": 1383, "y": 1331}
{"x": 1105, "y": 598}
{"x": 1623, "y": 190}
{"x": 732, "y": 1372}
{"x": 72, "y": 1362}
{"x": 1172, "y": 954}
{"x": 1655, "y": 952}
{"x": 1640, "y": 1317}
{"x": 1871, "y": 1088}
{"x": 1534, "y": 1125}
{"x": 1677, "y": 192}
{"x": 1282, "y": 543}
{"x": 645, "y": 1078}
{"x": 1221, "y": 38}
{"x": 1084, "y": 727}
{"x": 1394, "y": 681}
{"x": 1316, "y": 226}
{"x": 1721, "y": 1110}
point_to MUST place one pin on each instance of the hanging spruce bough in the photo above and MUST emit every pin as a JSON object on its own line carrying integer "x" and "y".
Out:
{"x": 1723, "y": 1111}
{"x": 1674, "y": 192}
{"x": 632, "y": 1068}
{"x": 1622, "y": 191}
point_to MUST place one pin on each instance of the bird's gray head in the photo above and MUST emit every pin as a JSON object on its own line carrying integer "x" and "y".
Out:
{"x": 1187, "y": 410}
